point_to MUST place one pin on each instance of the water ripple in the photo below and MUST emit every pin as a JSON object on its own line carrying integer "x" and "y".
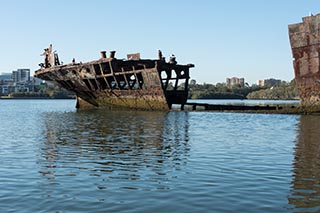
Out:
{"x": 55, "y": 159}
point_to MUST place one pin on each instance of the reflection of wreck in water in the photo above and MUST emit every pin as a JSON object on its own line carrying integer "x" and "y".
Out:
{"x": 117, "y": 83}
{"x": 305, "y": 192}
{"x": 138, "y": 145}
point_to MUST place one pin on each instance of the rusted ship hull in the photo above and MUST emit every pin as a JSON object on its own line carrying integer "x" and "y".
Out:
{"x": 116, "y": 83}
{"x": 305, "y": 44}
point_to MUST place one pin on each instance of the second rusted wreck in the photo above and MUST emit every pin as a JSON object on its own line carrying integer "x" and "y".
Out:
{"x": 135, "y": 83}
{"x": 305, "y": 45}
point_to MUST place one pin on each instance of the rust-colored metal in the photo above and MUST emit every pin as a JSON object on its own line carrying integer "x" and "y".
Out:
{"x": 305, "y": 44}
{"x": 117, "y": 83}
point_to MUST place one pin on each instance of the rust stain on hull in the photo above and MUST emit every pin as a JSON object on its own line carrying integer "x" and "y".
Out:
{"x": 148, "y": 84}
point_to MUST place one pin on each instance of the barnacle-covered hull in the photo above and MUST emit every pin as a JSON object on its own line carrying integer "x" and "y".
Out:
{"x": 116, "y": 83}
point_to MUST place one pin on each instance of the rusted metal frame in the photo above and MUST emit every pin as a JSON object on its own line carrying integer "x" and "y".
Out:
{"x": 45, "y": 70}
{"x": 65, "y": 84}
{"x": 113, "y": 75}
{"x": 144, "y": 67}
{"x": 168, "y": 73}
{"x": 168, "y": 70}
{"x": 92, "y": 88}
{"x": 103, "y": 75}
{"x": 162, "y": 79}
{"x": 125, "y": 77}
{"x": 160, "y": 70}
{"x": 140, "y": 86}
{"x": 186, "y": 86}
{"x": 78, "y": 81}
{"x": 134, "y": 81}
{"x": 85, "y": 87}
{"x": 136, "y": 77}
{"x": 177, "y": 80}
{"x": 134, "y": 72}
{"x": 95, "y": 79}
{"x": 98, "y": 84}
{"x": 184, "y": 77}
{"x": 122, "y": 82}
{"x": 120, "y": 73}
{"x": 58, "y": 77}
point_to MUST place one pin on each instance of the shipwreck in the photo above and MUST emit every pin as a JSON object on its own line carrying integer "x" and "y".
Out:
{"x": 305, "y": 45}
{"x": 132, "y": 83}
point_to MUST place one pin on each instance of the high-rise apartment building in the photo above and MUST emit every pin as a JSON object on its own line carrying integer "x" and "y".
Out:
{"x": 235, "y": 81}
{"x": 269, "y": 82}
{"x": 21, "y": 75}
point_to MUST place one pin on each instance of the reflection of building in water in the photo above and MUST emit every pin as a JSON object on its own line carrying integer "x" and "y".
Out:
{"x": 117, "y": 144}
{"x": 305, "y": 194}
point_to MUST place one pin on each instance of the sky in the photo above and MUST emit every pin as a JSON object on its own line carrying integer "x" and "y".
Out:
{"x": 223, "y": 38}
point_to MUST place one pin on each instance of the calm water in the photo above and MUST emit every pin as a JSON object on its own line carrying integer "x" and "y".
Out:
{"x": 243, "y": 101}
{"x": 55, "y": 159}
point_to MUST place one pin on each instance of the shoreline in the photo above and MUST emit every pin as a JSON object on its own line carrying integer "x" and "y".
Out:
{"x": 290, "y": 108}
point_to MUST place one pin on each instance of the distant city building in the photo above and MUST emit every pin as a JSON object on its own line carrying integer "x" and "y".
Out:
{"x": 228, "y": 82}
{"x": 21, "y": 75}
{"x": 5, "y": 82}
{"x": 260, "y": 83}
{"x": 17, "y": 81}
{"x": 234, "y": 81}
{"x": 269, "y": 82}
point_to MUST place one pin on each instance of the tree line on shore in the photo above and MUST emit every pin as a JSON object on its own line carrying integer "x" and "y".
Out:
{"x": 44, "y": 91}
{"x": 285, "y": 91}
